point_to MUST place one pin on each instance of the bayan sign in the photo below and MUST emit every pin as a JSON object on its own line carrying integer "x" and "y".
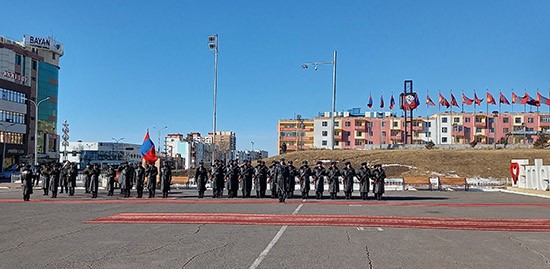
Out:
{"x": 14, "y": 76}
{"x": 44, "y": 42}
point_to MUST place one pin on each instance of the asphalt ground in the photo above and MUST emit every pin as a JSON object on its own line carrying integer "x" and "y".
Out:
{"x": 65, "y": 232}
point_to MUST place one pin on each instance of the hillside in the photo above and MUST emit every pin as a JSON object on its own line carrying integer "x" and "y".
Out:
{"x": 424, "y": 162}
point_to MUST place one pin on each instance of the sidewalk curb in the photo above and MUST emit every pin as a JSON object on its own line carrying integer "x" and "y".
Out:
{"x": 527, "y": 194}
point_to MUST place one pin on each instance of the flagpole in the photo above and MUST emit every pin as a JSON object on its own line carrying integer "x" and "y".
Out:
{"x": 487, "y": 103}
{"x": 462, "y": 105}
{"x": 512, "y": 101}
{"x": 452, "y": 116}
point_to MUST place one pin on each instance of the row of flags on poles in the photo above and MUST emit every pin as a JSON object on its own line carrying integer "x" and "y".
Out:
{"x": 526, "y": 99}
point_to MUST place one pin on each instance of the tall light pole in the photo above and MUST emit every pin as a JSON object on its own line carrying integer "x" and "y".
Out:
{"x": 160, "y": 130}
{"x": 333, "y": 63}
{"x": 36, "y": 105}
{"x": 4, "y": 136}
{"x": 117, "y": 148}
{"x": 213, "y": 45}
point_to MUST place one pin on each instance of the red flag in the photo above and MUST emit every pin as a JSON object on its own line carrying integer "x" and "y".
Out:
{"x": 392, "y": 102}
{"x": 490, "y": 99}
{"x": 526, "y": 98}
{"x": 542, "y": 99}
{"x": 370, "y": 101}
{"x": 467, "y": 101}
{"x": 503, "y": 99}
{"x": 453, "y": 101}
{"x": 514, "y": 98}
{"x": 381, "y": 101}
{"x": 429, "y": 101}
{"x": 147, "y": 150}
{"x": 477, "y": 100}
{"x": 443, "y": 101}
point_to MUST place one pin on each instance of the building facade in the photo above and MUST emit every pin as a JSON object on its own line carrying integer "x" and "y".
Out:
{"x": 103, "y": 153}
{"x": 381, "y": 128}
{"x": 296, "y": 134}
{"x": 188, "y": 150}
{"x": 29, "y": 73}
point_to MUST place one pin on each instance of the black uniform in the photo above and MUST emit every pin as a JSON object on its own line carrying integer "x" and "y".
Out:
{"x": 201, "y": 176}
{"x": 94, "y": 183}
{"x": 165, "y": 180}
{"x": 260, "y": 178}
{"x": 87, "y": 177}
{"x": 140, "y": 180}
{"x": 72, "y": 174}
{"x": 364, "y": 175}
{"x": 348, "y": 173}
{"x": 63, "y": 178}
{"x": 247, "y": 173}
{"x": 282, "y": 176}
{"x": 54, "y": 180}
{"x": 304, "y": 173}
{"x": 233, "y": 174}
{"x": 45, "y": 177}
{"x": 218, "y": 176}
{"x": 334, "y": 181}
{"x": 129, "y": 178}
{"x": 152, "y": 173}
{"x": 111, "y": 175}
{"x": 319, "y": 174}
{"x": 26, "y": 182}
{"x": 378, "y": 187}
{"x": 292, "y": 173}
{"x": 273, "y": 180}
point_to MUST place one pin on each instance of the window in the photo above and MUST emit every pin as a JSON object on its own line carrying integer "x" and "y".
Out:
{"x": 456, "y": 119}
{"x": 444, "y": 119}
{"x": 517, "y": 120}
{"x": 506, "y": 120}
{"x": 337, "y": 143}
{"x": 34, "y": 64}
{"x": 358, "y": 123}
{"x": 444, "y": 130}
{"x": 505, "y": 130}
{"x": 478, "y": 119}
{"x": 530, "y": 120}
{"x": 18, "y": 59}
{"x": 383, "y": 124}
{"x": 478, "y": 130}
{"x": 53, "y": 55}
{"x": 324, "y": 124}
{"x": 444, "y": 139}
{"x": 348, "y": 143}
{"x": 347, "y": 124}
{"x": 348, "y": 133}
{"x": 358, "y": 142}
{"x": 337, "y": 123}
{"x": 359, "y": 133}
{"x": 384, "y": 133}
{"x": 491, "y": 130}
{"x": 325, "y": 133}
{"x": 395, "y": 124}
{"x": 324, "y": 142}
{"x": 467, "y": 119}
{"x": 491, "y": 120}
{"x": 428, "y": 124}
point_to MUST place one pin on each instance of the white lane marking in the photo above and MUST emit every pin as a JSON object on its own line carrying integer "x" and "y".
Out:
{"x": 380, "y": 229}
{"x": 264, "y": 253}
{"x": 360, "y": 228}
{"x": 355, "y": 205}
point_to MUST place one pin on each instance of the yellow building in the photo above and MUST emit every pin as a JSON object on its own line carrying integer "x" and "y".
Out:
{"x": 295, "y": 134}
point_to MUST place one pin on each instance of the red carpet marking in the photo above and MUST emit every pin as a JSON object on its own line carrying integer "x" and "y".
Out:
{"x": 174, "y": 200}
{"x": 518, "y": 225}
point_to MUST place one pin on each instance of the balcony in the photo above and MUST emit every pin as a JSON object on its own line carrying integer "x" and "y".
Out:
{"x": 459, "y": 132}
{"x": 418, "y": 128}
{"x": 481, "y": 124}
{"x": 288, "y": 138}
{"x": 338, "y": 137}
{"x": 287, "y": 129}
{"x": 360, "y": 128}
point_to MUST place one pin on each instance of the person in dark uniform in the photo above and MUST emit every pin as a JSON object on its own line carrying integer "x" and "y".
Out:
{"x": 272, "y": 180}
{"x": 260, "y": 179}
{"x": 303, "y": 174}
{"x": 87, "y": 177}
{"x": 111, "y": 175}
{"x": 333, "y": 180}
{"x": 122, "y": 178}
{"x": 94, "y": 183}
{"x": 247, "y": 173}
{"x": 292, "y": 173}
{"x": 35, "y": 175}
{"x": 348, "y": 173}
{"x": 378, "y": 187}
{"x": 45, "y": 178}
{"x": 319, "y": 174}
{"x": 218, "y": 179}
{"x": 152, "y": 173}
{"x": 64, "y": 178}
{"x": 165, "y": 179}
{"x": 129, "y": 178}
{"x": 140, "y": 180}
{"x": 26, "y": 182}
{"x": 282, "y": 176}
{"x": 364, "y": 175}
{"x": 233, "y": 173}
{"x": 54, "y": 179}
{"x": 201, "y": 176}
{"x": 72, "y": 173}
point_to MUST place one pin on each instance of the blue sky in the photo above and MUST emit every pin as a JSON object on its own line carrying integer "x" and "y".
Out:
{"x": 132, "y": 65}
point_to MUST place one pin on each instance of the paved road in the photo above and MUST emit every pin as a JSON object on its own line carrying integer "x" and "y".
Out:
{"x": 48, "y": 233}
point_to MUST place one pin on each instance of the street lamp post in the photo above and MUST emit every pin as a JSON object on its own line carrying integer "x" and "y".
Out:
{"x": 4, "y": 136}
{"x": 36, "y": 105}
{"x": 117, "y": 148}
{"x": 213, "y": 45}
{"x": 160, "y": 130}
{"x": 333, "y": 63}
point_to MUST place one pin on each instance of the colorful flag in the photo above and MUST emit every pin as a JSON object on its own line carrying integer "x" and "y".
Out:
{"x": 467, "y": 101}
{"x": 147, "y": 150}
{"x": 490, "y": 99}
{"x": 514, "y": 98}
{"x": 526, "y": 98}
{"x": 381, "y": 101}
{"x": 429, "y": 101}
{"x": 392, "y": 102}
{"x": 370, "y": 101}
{"x": 453, "y": 101}
{"x": 443, "y": 101}
{"x": 542, "y": 99}
{"x": 416, "y": 101}
{"x": 477, "y": 100}
{"x": 503, "y": 99}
